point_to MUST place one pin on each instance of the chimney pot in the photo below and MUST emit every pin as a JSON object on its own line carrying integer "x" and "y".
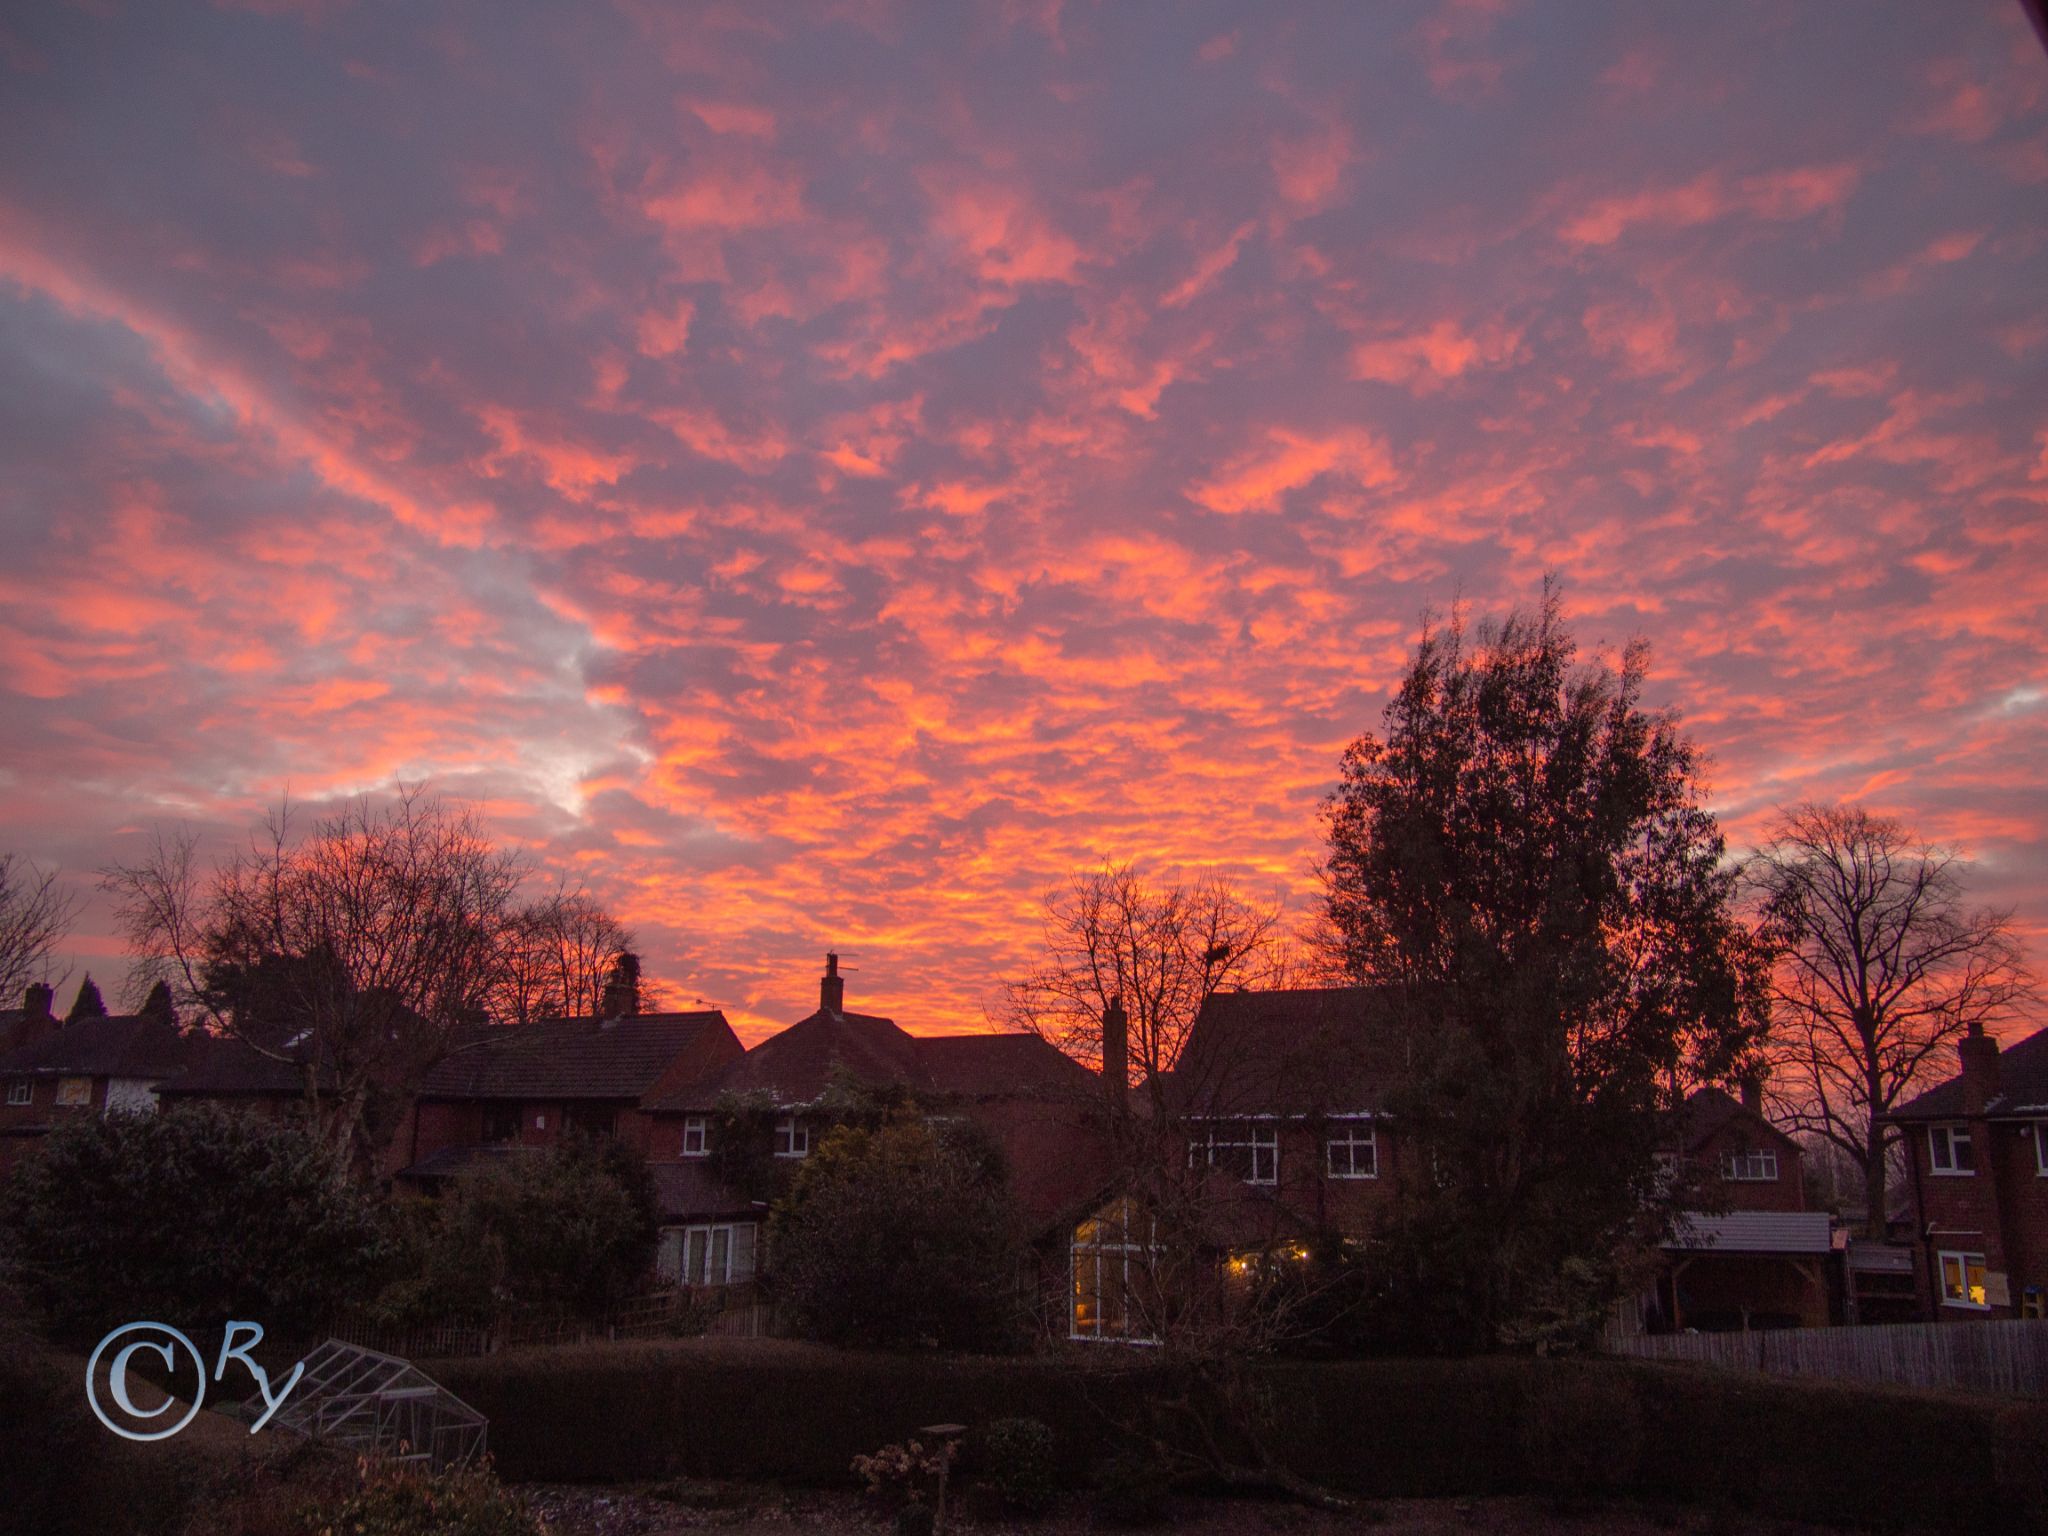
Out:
{"x": 1752, "y": 1087}
{"x": 832, "y": 986}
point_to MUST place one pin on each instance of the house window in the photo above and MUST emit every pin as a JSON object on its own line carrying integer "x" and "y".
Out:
{"x": 1247, "y": 1149}
{"x": 1754, "y": 1165}
{"x": 1948, "y": 1149}
{"x": 2041, "y": 1148}
{"x": 1962, "y": 1280}
{"x": 1354, "y": 1154}
{"x": 74, "y": 1092}
{"x": 19, "y": 1093}
{"x": 696, "y": 1137}
{"x": 501, "y": 1122}
{"x": 792, "y": 1137}
{"x": 1113, "y": 1255}
{"x": 720, "y": 1253}
{"x": 594, "y": 1120}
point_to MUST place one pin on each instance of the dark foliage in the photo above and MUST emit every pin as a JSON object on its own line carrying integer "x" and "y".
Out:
{"x": 1372, "y": 1429}
{"x": 402, "y": 1501}
{"x": 568, "y": 1231}
{"x": 190, "y": 1217}
{"x": 88, "y": 1004}
{"x": 901, "y": 1235}
{"x": 1013, "y": 1463}
{"x": 1524, "y": 862}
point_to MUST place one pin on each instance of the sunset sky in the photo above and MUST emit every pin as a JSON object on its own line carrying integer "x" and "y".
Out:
{"x": 819, "y": 474}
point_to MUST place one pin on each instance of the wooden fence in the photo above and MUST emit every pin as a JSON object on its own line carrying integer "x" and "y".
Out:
{"x": 724, "y": 1311}
{"x": 2007, "y": 1358}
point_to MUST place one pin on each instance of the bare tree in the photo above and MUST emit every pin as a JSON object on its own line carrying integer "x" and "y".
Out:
{"x": 1881, "y": 968}
{"x": 1160, "y": 947}
{"x": 558, "y": 955}
{"x": 36, "y": 912}
{"x": 355, "y": 953}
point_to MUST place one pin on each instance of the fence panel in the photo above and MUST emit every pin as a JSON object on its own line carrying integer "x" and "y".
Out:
{"x": 2008, "y": 1358}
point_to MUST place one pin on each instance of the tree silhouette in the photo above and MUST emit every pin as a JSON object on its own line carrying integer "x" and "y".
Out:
{"x": 88, "y": 1004}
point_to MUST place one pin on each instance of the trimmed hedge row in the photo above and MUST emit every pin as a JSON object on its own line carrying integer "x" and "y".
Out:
{"x": 1378, "y": 1429}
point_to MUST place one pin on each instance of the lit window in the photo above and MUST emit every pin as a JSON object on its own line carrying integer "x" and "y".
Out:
{"x": 792, "y": 1137}
{"x": 1962, "y": 1280}
{"x": 19, "y": 1093}
{"x": 1113, "y": 1256}
{"x": 696, "y": 1137}
{"x": 713, "y": 1254}
{"x": 1247, "y": 1149}
{"x": 1948, "y": 1149}
{"x": 74, "y": 1092}
{"x": 1354, "y": 1154}
{"x": 1752, "y": 1166}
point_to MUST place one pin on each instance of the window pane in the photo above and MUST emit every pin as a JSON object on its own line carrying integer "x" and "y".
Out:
{"x": 721, "y": 1249}
{"x": 693, "y": 1269}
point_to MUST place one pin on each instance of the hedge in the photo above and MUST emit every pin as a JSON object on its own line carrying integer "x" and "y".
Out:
{"x": 1377, "y": 1429}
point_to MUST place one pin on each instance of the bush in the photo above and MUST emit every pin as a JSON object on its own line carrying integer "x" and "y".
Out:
{"x": 1583, "y": 1434}
{"x": 399, "y": 1501}
{"x": 2019, "y": 1460}
{"x": 1013, "y": 1459}
{"x": 895, "y": 1236}
{"x": 1375, "y": 1429}
{"x": 570, "y": 1230}
{"x": 190, "y": 1217}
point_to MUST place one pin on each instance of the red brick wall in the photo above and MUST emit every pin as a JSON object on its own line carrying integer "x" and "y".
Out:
{"x": 1785, "y": 1193}
{"x": 2000, "y": 1211}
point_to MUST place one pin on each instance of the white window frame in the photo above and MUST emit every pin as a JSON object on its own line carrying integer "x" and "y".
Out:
{"x": 699, "y": 1128}
{"x": 1260, "y": 1138}
{"x": 718, "y": 1254}
{"x": 23, "y": 1092}
{"x": 1960, "y": 1279}
{"x": 1944, "y": 1139}
{"x": 1344, "y": 1132}
{"x": 1751, "y": 1165}
{"x": 792, "y": 1137}
{"x": 1119, "y": 1255}
{"x": 2041, "y": 1148}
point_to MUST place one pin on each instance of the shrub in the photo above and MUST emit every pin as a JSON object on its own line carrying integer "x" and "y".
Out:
{"x": 189, "y": 1217}
{"x": 1014, "y": 1460}
{"x": 2019, "y": 1460}
{"x": 894, "y": 1236}
{"x": 399, "y": 1501}
{"x": 568, "y": 1230}
{"x": 1583, "y": 1434}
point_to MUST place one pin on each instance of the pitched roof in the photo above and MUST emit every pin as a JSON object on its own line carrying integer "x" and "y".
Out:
{"x": 570, "y": 1058}
{"x": 1754, "y": 1232}
{"x": 119, "y": 1045}
{"x": 797, "y": 1065}
{"x": 226, "y": 1067}
{"x": 2022, "y": 1083}
{"x": 1707, "y": 1110}
{"x": 1300, "y": 1050}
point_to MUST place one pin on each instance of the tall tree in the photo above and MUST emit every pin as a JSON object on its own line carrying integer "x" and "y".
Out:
{"x": 1882, "y": 968}
{"x": 88, "y": 1004}
{"x": 1523, "y": 862}
{"x": 36, "y": 912}
{"x": 1160, "y": 947}
{"x": 559, "y": 953}
{"x": 356, "y": 953}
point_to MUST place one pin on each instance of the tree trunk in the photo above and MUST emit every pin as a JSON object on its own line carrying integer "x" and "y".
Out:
{"x": 1874, "y": 1188}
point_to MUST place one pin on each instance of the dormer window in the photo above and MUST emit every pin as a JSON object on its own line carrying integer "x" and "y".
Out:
{"x": 1949, "y": 1150}
{"x": 792, "y": 1137}
{"x": 1754, "y": 1165}
{"x": 696, "y": 1136}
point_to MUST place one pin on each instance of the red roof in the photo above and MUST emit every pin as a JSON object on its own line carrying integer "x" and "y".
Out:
{"x": 571, "y": 1058}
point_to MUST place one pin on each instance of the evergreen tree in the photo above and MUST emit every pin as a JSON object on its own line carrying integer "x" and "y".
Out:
{"x": 1523, "y": 863}
{"x": 88, "y": 1004}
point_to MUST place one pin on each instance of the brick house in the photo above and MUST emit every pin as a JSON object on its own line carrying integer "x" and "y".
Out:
{"x": 1033, "y": 1101}
{"x": 528, "y": 1086}
{"x": 98, "y": 1065}
{"x": 1977, "y": 1170}
{"x": 1758, "y": 1258}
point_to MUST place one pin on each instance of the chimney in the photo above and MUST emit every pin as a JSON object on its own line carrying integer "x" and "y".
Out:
{"x": 1977, "y": 1054}
{"x": 37, "y": 1023}
{"x": 1116, "y": 1053}
{"x": 832, "y": 986}
{"x": 1752, "y": 1088}
{"x": 622, "y": 988}
{"x": 35, "y": 1002}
